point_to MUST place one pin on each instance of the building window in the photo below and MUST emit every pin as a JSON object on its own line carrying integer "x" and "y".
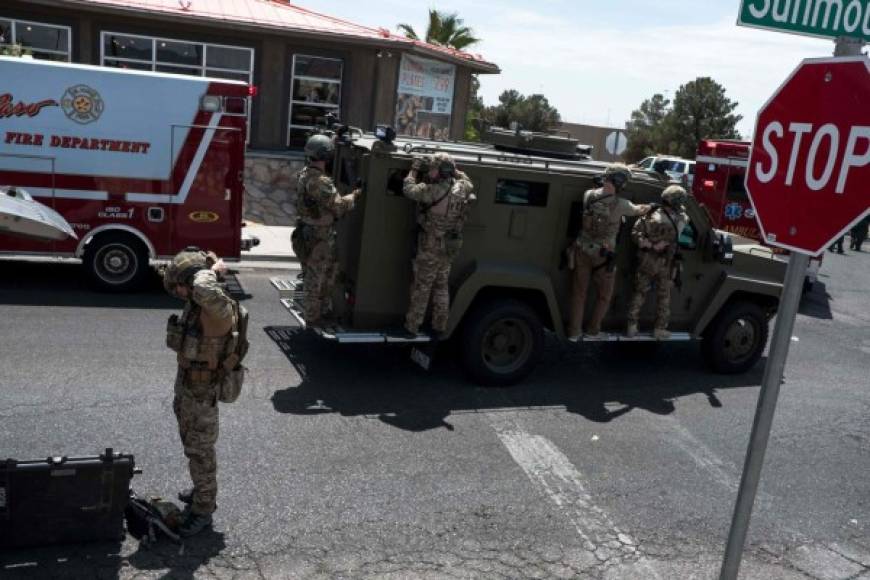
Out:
{"x": 43, "y": 41}
{"x": 133, "y": 51}
{"x": 424, "y": 102}
{"x": 315, "y": 92}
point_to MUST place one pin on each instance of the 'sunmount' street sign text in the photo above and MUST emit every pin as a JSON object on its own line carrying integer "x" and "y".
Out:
{"x": 825, "y": 18}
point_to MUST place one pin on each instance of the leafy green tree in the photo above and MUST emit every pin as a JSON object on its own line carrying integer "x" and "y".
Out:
{"x": 700, "y": 110}
{"x": 15, "y": 50}
{"x": 475, "y": 110}
{"x": 444, "y": 28}
{"x": 645, "y": 130}
{"x": 532, "y": 112}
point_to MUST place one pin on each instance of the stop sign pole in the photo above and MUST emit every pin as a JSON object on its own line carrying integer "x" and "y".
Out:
{"x": 773, "y": 372}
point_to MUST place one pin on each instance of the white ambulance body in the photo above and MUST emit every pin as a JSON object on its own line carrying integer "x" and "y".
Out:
{"x": 141, "y": 164}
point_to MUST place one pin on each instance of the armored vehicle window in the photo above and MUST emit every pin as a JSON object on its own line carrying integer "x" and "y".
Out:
{"x": 736, "y": 189}
{"x": 526, "y": 193}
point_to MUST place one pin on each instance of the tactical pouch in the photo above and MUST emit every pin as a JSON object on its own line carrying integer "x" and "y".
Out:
{"x": 230, "y": 385}
{"x": 452, "y": 243}
{"x": 190, "y": 344}
{"x": 174, "y": 333}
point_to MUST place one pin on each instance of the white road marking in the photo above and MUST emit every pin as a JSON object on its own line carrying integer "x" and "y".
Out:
{"x": 549, "y": 468}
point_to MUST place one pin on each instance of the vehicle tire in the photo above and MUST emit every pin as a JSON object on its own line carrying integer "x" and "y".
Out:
{"x": 501, "y": 342}
{"x": 116, "y": 262}
{"x": 735, "y": 339}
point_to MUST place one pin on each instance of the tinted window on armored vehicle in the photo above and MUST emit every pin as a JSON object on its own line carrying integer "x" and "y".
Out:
{"x": 526, "y": 193}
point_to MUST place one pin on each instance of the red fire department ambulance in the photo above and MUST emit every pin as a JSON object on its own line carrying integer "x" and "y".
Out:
{"x": 141, "y": 164}
{"x": 720, "y": 173}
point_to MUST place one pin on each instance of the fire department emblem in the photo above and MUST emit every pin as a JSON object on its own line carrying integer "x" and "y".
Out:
{"x": 82, "y": 104}
{"x": 733, "y": 211}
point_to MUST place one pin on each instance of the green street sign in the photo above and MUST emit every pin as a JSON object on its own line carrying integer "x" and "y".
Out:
{"x": 824, "y": 18}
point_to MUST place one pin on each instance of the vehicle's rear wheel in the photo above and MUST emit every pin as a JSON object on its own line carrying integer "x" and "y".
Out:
{"x": 116, "y": 262}
{"x": 735, "y": 339}
{"x": 501, "y": 342}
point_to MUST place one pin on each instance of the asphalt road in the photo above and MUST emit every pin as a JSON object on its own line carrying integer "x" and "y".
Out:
{"x": 350, "y": 462}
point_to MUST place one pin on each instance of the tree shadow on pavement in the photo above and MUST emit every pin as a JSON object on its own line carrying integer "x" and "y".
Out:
{"x": 600, "y": 382}
{"x": 65, "y": 284}
{"x": 817, "y": 302}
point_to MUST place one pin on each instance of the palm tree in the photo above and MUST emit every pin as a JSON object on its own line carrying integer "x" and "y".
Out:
{"x": 444, "y": 29}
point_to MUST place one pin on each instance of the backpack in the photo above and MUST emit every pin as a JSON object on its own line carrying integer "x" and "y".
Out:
{"x": 596, "y": 217}
{"x": 232, "y": 371}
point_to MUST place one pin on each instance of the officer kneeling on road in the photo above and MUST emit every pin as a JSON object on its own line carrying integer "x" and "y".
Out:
{"x": 210, "y": 339}
{"x": 318, "y": 207}
{"x": 593, "y": 254}
{"x": 442, "y": 205}
{"x": 656, "y": 235}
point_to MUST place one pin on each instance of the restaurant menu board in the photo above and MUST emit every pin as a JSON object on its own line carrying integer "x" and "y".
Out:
{"x": 425, "y": 98}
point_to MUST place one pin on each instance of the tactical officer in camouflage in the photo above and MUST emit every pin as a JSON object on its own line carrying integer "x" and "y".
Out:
{"x": 442, "y": 205}
{"x": 594, "y": 251}
{"x": 657, "y": 235}
{"x": 200, "y": 337}
{"x": 318, "y": 207}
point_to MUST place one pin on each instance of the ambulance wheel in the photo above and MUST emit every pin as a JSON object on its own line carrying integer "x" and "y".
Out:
{"x": 502, "y": 341}
{"x": 735, "y": 339}
{"x": 116, "y": 262}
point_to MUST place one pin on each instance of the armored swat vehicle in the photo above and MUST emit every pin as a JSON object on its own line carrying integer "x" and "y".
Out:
{"x": 509, "y": 284}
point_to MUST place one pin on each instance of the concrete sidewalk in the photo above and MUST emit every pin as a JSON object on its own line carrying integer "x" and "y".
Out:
{"x": 275, "y": 244}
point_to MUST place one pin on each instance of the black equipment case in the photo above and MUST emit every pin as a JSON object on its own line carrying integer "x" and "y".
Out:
{"x": 64, "y": 499}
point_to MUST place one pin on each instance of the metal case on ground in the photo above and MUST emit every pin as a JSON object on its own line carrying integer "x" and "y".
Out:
{"x": 64, "y": 499}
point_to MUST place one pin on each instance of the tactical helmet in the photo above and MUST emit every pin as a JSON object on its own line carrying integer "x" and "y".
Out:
{"x": 319, "y": 148}
{"x": 618, "y": 174}
{"x": 445, "y": 165}
{"x": 182, "y": 268}
{"x": 674, "y": 195}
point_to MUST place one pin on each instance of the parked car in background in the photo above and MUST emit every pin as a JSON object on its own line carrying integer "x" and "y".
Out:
{"x": 677, "y": 168}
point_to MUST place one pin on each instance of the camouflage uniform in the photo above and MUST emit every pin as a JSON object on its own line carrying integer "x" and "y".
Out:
{"x": 663, "y": 224}
{"x": 602, "y": 217}
{"x": 441, "y": 218}
{"x": 318, "y": 207}
{"x": 208, "y": 313}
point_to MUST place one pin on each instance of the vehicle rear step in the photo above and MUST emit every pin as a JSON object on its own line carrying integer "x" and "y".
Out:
{"x": 640, "y": 337}
{"x": 342, "y": 335}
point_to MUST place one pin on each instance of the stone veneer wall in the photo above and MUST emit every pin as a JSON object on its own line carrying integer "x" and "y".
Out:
{"x": 270, "y": 187}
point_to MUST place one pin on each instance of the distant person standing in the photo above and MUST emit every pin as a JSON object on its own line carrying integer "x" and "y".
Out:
{"x": 657, "y": 235}
{"x": 442, "y": 209}
{"x": 838, "y": 244}
{"x": 594, "y": 251}
{"x": 206, "y": 339}
{"x": 318, "y": 207}
{"x": 858, "y": 234}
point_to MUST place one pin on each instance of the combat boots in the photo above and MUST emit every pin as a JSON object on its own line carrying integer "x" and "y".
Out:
{"x": 661, "y": 334}
{"x": 631, "y": 331}
{"x": 194, "y": 523}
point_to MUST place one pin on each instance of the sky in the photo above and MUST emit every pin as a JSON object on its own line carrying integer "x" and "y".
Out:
{"x": 597, "y": 61}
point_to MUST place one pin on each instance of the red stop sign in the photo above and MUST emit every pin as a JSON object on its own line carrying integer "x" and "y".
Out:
{"x": 809, "y": 169}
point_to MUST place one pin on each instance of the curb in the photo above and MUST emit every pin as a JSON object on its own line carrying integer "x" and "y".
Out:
{"x": 268, "y": 258}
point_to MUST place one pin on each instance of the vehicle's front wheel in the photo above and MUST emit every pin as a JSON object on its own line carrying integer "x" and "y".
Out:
{"x": 735, "y": 339}
{"x": 501, "y": 342}
{"x": 116, "y": 262}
